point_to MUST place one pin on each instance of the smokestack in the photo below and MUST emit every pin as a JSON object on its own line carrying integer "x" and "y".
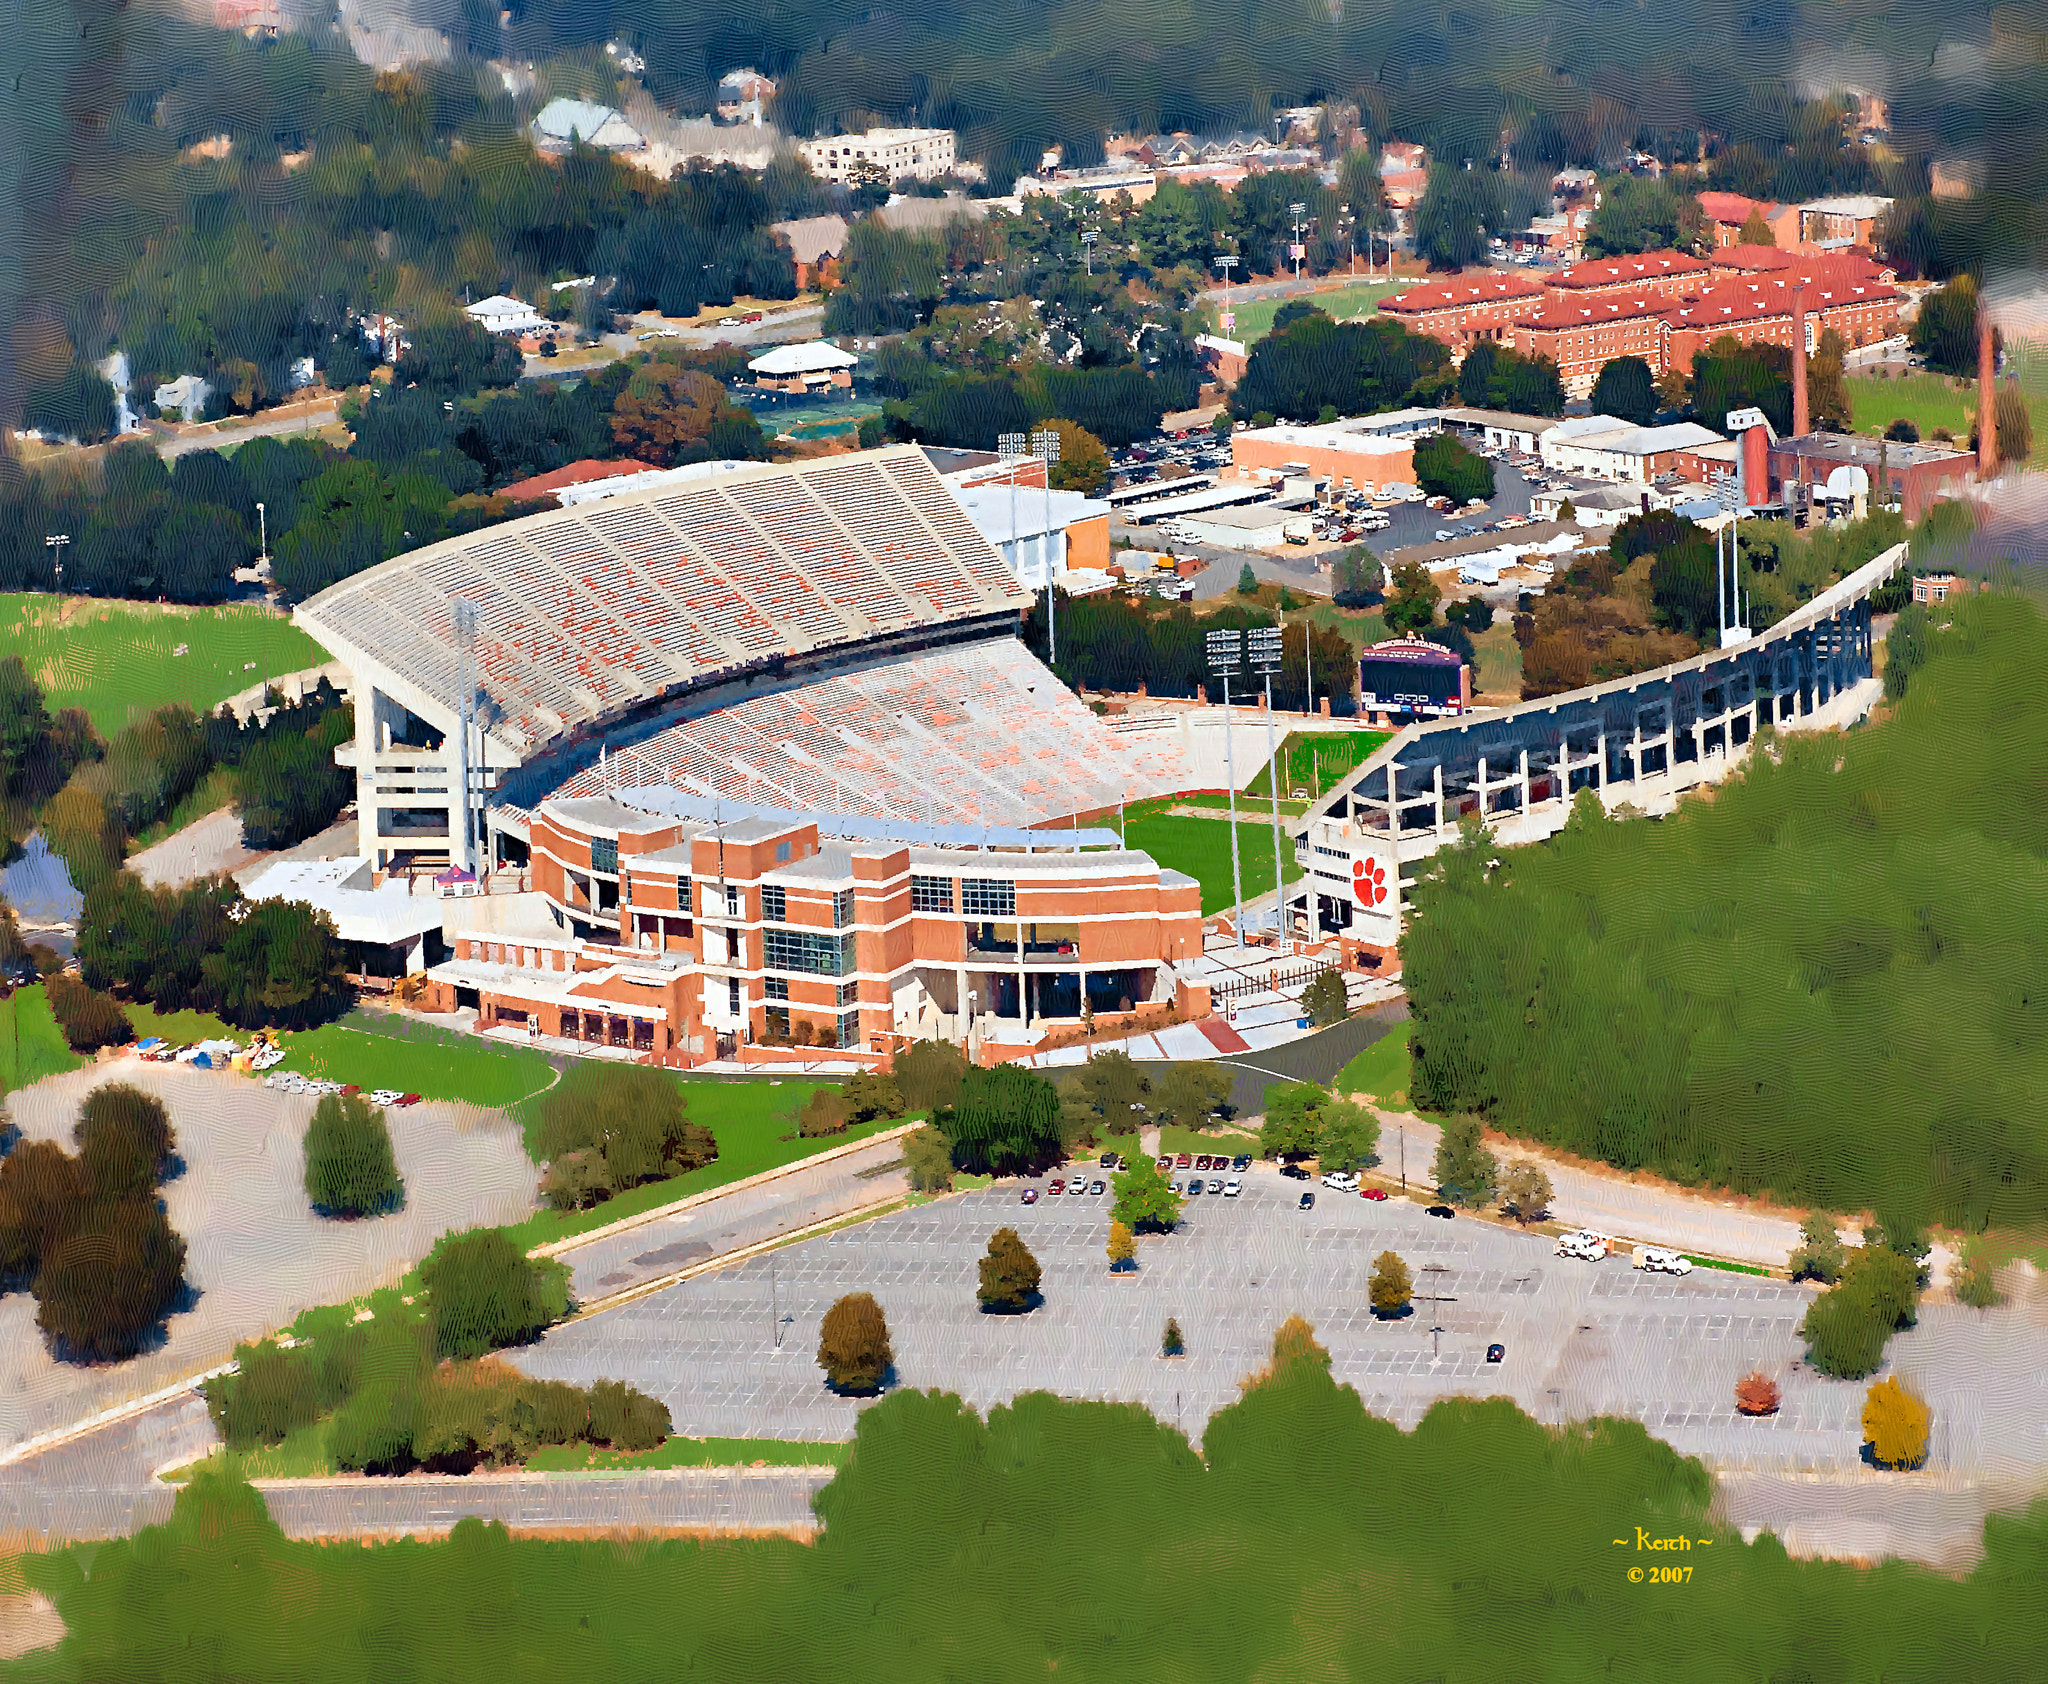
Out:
{"x": 1987, "y": 395}
{"x": 1800, "y": 417}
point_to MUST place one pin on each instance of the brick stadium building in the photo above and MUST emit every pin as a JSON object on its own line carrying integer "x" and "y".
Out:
{"x": 1761, "y": 308}
{"x": 704, "y": 743}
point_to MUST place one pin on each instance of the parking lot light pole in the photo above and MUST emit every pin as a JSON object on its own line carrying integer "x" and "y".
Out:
{"x": 1226, "y": 649}
{"x": 1265, "y": 653}
{"x": 1045, "y": 445}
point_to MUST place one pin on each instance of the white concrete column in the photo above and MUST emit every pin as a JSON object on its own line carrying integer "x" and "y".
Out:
{"x": 1525, "y": 780}
{"x": 1438, "y": 779}
{"x": 368, "y": 725}
{"x": 1601, "y": 750}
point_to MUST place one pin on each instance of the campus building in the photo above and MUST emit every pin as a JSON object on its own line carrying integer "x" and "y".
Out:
{"x": 573, "y": 717}
{"x": 923, "y": 154}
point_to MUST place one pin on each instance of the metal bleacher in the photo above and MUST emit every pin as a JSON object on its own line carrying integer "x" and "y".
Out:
{"x": 589, "y": 611}
{"x": 977, "y": 734}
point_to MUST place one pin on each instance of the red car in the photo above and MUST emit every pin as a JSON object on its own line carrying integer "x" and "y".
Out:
{"x": 1031, "y": 1195}
{"x": 1057, "y": 1187}
{"x": 1183, "y": 1160}
{"x": 1165, "y": 1164}
{"x": 1379, "y": 1193}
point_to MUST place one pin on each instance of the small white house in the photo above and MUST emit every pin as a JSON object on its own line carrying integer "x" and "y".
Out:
{"x": 563, "y": 122}
{"x": 500, "y": 314}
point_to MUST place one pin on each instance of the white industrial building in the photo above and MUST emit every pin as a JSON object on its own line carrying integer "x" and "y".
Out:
{"x": 1034, "y": 530}
{"x": 1600, "y": 447}
{"x": 922, "y": 154}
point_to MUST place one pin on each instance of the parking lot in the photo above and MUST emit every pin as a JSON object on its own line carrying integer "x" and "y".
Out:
{"x": 733, "y": 1353}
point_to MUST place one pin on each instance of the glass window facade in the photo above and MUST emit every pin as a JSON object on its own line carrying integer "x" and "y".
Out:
{"x": 806, "y": 951}
{"x": 988, "y": 898}
{"x": 774, "y": 902}
{"x": 931, "y": 894}
{"x": 604, "y": 855}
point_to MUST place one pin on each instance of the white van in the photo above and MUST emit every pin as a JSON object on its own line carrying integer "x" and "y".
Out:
{"x": 1661, "y": 1260}
{"x": 1583, "y": 1244}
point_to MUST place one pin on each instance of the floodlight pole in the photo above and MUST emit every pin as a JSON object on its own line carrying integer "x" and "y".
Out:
{"x": 55, "y": 545}
{"x": 1296, "y": 210}
{"x": 1224, "y": 648}
{"x": 1045, "y": 444}
{"x": 465, "y": 616}
{"x": 1266, "y": 656}
{"x": 1013, "y": 448}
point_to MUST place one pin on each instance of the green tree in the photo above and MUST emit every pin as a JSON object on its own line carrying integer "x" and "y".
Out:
{"x": 1945, "y": 330}
{"x": 2015, "y": 424}
{"x": 486, "y": 1293}
{"x": 281, "y": 965}
{"x": 1349, "y": 1136}
{"x": 928, "y": 1158}
{"x": 1192, "y": 1093}
{"x": 1324, "y": 999}
{"x": 1171, "y": 1343}
{"x": 1626, "y": 391}
{"x": 1114, "y": 1090}
{"x": 1827, "y": 394}
{"x": 1847, "y": 1327}
{"x": 1355, "y": 578}
{"x": 853, "y": 1345}
{"x": 1730, "y": 375}
{"x": 458, "y": 358}
{"x": 1145, "y": 1199}
{"x": 289, "y": 788}
{"x": 1247, "y": 581}
{"x": 823, "y": 1113}
{"x": 1009, "y": 1274}
{"x": 1391, "y": 1286}
{"x": 1641, "y": 213}
{"x": 1465, "y": 1170}
{"x": 1412, "y": 606}
{"x": 928, "y": 1075}
{"x": 1450, "y": 220}
{"x": 106, "y": 1285}
{"x": 1756, "y": 231}
{"x": 1005, "y": 1121}
{"x": 1445, "y": 468}
{"x": 1525, "y": 1191}
{"x": 869, "y": 1097}
{"x": 125, "y": 1141}
{"x": 1820, "y": 1254}
{"x": 87, "y": 1018}
{"x": 350, "y": 1168}
{"x": 273, "y": 1391}
{"x": 1293, "y": 1124}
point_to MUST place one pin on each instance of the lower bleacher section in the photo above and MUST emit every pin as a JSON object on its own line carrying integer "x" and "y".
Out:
{"x": 977, "y": 734}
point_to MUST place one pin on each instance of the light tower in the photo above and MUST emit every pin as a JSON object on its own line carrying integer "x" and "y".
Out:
{"x": 1226, "y": 649}
{"x": 1045, "y": 445}
{"x": 1264, "y": 647}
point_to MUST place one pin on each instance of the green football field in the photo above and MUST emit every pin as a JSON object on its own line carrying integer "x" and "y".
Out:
{"x": 118, "y": 660}
{"x": 1201, "y": 849}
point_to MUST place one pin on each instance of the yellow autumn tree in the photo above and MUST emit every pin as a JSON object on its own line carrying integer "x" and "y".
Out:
{"x": 1895, "y": 1424}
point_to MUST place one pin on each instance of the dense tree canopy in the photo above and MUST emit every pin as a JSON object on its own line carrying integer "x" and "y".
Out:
{"x": 1727, "y": 996}
{"x": 1355, "y": 367}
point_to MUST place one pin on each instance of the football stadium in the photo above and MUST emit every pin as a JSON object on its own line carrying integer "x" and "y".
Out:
{"x": 747, "y": 763}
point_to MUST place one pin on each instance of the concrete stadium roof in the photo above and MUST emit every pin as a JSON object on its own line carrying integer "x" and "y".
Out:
{"x": 588, "y": 613}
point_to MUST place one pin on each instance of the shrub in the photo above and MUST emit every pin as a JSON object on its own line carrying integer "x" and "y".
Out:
{"x": 853, "y": 1345}
{"x": 487, "y": 1293}
{"x": 1756, "y": 1394}
{"x": 1171, "y": 1344}
{"x": 350, "y": 1169}
{"x": 1525, "y": 1191}
{"x": 626, "y": 1419}
{"x": 88, "y": 1019}
{"x": 1009, "y": 1274}
{"x": 577, "y": 1180}
{"x": 825, "y": 1112}
{"x": 633, "y": 1116}
{"x": 868, "y": 1096}
{"x": 1465, "y": 1170}
{"x": 1895, "y": 1425}
{"x": 1972, "y": 1278}
{"x": 273, "y": 1391}
{"x": 1820, "y": 1253}
{"x": 40, "y": 1192}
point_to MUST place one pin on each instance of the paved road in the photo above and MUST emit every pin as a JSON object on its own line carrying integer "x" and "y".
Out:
{"x": 205, "y": 846}
{"x": 674, "y": 1500}
{"x": 1582, "y": 1339}
{"x": 273, "y": 426}
{"x": 102, "y": 1485}
{"x": 734, "y": 1221}
{"x": 1315, "y": 1057}
{"x": 1690, "y": 1222}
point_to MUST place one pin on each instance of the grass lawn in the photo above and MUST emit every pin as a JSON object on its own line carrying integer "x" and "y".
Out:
{"x": 1201, "y": 849}
{"x": 116, "y": 659}
{"x": 1382, "y": 1070}
{"x": 1935, "y": 400}
{"x": 372, "y": 1050}
{"x": 1316, "y": 760}
{"x": 754, "y": 1119}
{"x": 1173, "y": 1137}
{"x": 1345, "y": 304}
{"x": 303, "y": 1455}
{"x": 31, "y": 1046}
{"x": 691, "y": 1453}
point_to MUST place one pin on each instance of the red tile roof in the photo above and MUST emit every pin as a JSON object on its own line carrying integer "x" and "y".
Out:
{"x": 574, "y": 473}
{"x": 1734, "y": 209}
{"x": 1570, "y": 312}
{"x": 1612, "y": 271}
{"x": 1484, "y": 286}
